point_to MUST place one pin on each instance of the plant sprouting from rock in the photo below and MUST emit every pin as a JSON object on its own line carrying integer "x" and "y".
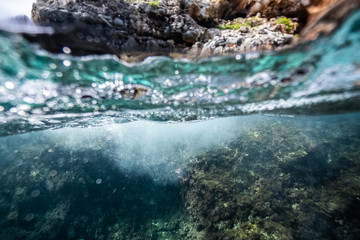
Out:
{"x": 286, "y": 21}
{"x": 229, "y": 26}
{"x": 154, "y": 4}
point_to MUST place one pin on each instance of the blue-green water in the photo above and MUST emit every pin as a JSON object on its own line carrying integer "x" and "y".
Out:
{"x": 39, "y": 90}
{"x": 246, "y": 147}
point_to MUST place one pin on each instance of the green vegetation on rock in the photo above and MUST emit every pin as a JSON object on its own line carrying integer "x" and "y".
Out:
{"x": 248, "y": 23}
{"x": 154, "y": 4}
{"x": 235, "y": 26}
{"x": 242, "y": 192}
{"x": 286, "y": 21}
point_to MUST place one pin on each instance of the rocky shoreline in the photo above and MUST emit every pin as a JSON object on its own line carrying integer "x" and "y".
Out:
{"x": 135, "y": 29}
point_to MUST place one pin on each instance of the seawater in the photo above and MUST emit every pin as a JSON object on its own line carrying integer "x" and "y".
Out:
{"x": 255, "y": 146}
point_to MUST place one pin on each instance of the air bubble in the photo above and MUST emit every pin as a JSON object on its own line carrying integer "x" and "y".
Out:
{"x": 29, "y": 217}
{"x": 66, "y": 50}
{"x": 9, "y": 85}
{"x": 89, "y": 38}
{"x": 35, "y": 193}
{"x": 53, "y": 173}
{"x": 67, "y": 63}
{"x": 49, "y": 185}
{"x": 13, "y": 110}
{"x": 12, "y": 215}
{"x": 19, "y": 191}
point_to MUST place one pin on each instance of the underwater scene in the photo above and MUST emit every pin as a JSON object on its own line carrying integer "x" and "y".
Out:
{"x": 253, "y": 146}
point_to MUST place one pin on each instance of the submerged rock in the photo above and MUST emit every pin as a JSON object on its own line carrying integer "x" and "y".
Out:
{"x": 295, "y": 186}
{"x": 275, "y": 178}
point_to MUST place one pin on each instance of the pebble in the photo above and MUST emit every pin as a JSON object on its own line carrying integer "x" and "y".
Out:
{"x": 118, "y": 21}
{"x": 262, "y": 31}
{"x": 239, "y": 41}
{"x": 220, "y": 42}
{"x": 244, "y": 29}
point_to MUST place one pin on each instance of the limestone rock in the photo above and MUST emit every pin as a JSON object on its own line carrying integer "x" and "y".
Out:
{"x": 206, "y": 12}
{"x": 118, "y": 26}
{"x": 194, "y": 28}
{"x": 272, "y": 8}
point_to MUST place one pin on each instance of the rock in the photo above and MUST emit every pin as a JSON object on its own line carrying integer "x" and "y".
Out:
{"x": 326, "y": 16}
{"x": 206, "y": 12}
{"x": 190, "y": 36}
{"x": 244, "y": 29}
{"x": 118, "y": 21}
{"x": 220, "y": 42}
{"x": 123, "y": 26}
{"x": 262, "y": 31}
{"x": 210, "y": 34}
{"x": 195, "y": 28}
{"x": 271, "y": 8}
{"x": 239, "y": 41}
{"x": 232, "y": 41}
{"x": 280, "y": 28}
{"x": 287, "y": 8}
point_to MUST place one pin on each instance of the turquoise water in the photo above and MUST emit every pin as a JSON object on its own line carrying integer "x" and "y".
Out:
{"x": 254, "y": 146}
{"x": 39, "y": 90}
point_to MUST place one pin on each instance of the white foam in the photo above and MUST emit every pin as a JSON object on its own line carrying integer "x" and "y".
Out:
{"x": 158, "y": 150}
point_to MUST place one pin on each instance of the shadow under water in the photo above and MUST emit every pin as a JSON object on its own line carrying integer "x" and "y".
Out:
{"x": 273, "y": 177}
{"x": 48, "y": 192}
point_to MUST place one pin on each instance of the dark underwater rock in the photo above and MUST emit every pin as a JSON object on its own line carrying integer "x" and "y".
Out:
{"x": 295, "y": 186}
{"x": 292, "y": 178}
{"x": 80, "y": 194}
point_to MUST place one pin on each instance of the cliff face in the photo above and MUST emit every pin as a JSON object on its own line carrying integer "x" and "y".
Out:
{"x": 272, "y": 8}
{"x": 208, "y": 12}
{"x": 108, "y": 26}
{"x": 326, "y": 15}
{"x": 190, "y": 28}
{"x": 193, "y": 28}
